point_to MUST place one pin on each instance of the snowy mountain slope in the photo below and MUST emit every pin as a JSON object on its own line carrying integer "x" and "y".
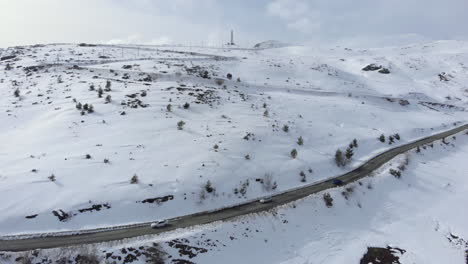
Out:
{"x": 421, "y": 213}
{"x": 234, "y": 132}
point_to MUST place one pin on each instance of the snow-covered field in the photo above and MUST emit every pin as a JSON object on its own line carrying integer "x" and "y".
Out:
{"x": 422, "y": 213}
{"x": 234, "y": 134}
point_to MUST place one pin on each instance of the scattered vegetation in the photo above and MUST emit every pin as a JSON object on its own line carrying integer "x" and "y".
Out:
{"x": 294, "y": 153}
{"x": 395, "y": 173}
{"x": 328, "y": 200}
{"x": 339, "y": 158}
{"x": 209, "y": 187}
{"x": 180, "y": 125}
{"x": 134, "y": 179}
{"x": 268, "y": 183}
{"x": 300, "y": 141}
{"x": 382, "y": 138}
{"x": 303, "y": 176}
{"x": 52, "y": 178}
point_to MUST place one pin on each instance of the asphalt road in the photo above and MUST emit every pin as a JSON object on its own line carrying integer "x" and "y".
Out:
{"x": 104, "y": 235}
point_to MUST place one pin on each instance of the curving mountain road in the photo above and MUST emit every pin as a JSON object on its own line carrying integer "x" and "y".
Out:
{"x": 111, "y": 234}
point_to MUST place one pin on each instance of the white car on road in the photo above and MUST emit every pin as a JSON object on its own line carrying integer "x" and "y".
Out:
{"x": 159, "y": 224}
{"x": 266, "y": 200}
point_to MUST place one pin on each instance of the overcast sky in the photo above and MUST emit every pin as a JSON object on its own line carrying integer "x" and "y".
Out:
{"x": 209, "y": 21}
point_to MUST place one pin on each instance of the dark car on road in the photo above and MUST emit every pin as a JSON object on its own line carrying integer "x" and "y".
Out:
{"x": 338, "y": 182}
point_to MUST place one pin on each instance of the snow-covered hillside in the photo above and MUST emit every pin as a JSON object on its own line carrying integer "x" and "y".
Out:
{"x": 170, "y": 134}
{"x": 420, "y": 216}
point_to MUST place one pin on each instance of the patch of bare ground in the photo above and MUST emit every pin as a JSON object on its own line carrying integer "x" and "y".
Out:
{"x": 388, "y": 255}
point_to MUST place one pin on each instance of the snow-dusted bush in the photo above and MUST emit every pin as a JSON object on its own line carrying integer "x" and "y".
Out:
{"x": 180, "y": 125}
{"x": 108, "y": 86}
{"x": 134, "y": 179}
{"x": 209, "y": 187}
{"x": 300, "y": 141}
{"x": 303, "y": 176}
{"x": 339, "y": 158}
{"x": 382, "y": 138}
{"x": 52, "y": 178}
{"x": 328, "y": 200}
{"x": 268, "y": 183}
{"x": 294, "y": 153}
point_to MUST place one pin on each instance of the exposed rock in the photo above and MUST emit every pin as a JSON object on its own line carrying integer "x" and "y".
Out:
{"x": 372, "y": 67}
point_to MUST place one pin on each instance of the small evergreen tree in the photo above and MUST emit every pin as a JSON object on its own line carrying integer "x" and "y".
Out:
{"x": 169, "y": 108}
{"x": 294, "y": 153}
{"x": 382, "y": 138}
{"x": 355, "y": 144}
{"x": 108, "y": 86}
{"x": 100, "y": 92}
{"x": 52, "y": 178}
{"x": 209, "y": 187}
{"x": 186, "y": 106}
{"x": 108, "y": 98}
{"x": 134, "y": 179}
{"x": 79, "y": 106}
{"x": 180, "y": 125}
{"x": 339, "y": 159}
{"x": 286, "y": 128}
{"x": 16, "y": 93}
{"x": 349, "y": 153}
{"x": 303, "y": 176}
{"x": 300, "y": 141}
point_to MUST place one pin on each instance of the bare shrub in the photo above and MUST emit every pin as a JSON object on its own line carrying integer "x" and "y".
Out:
{"x": 268, "y": 183}
{"x": 87, "y": 256}
{"x": 155, "y": 255}
{"x": 52, "y": 178}
{"x": 219, "y": 81}
{"x": 303, "y": 176}
{"x": 347, "y": 192}
{"x": 395, "y": 173}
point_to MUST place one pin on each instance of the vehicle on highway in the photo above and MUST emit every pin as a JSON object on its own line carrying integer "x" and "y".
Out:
{"x": 338, "y": 182}
{"x": 159, "y": 224}
{"x": 266, "y": 200}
